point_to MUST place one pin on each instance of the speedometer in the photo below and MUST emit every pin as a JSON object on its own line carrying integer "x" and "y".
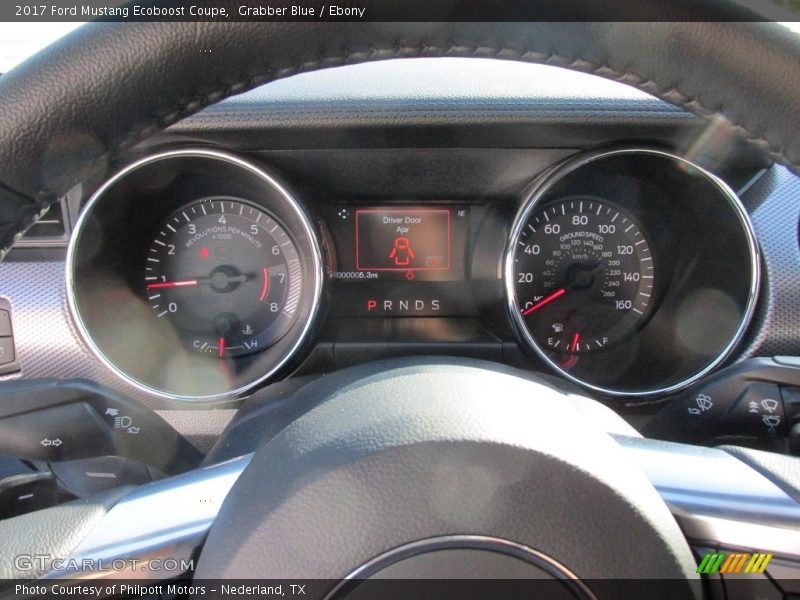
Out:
{"x": 630, "y": 271}
{"x": 583, "y": 275}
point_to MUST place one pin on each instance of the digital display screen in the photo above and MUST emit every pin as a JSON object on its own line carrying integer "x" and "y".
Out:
{"x": 401, "y": 260}
{"x": 402, "y": 239}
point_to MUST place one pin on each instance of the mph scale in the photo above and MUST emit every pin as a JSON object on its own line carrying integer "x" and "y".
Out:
{"x": 583, "y": 275}
{"x": 225, "y": 275}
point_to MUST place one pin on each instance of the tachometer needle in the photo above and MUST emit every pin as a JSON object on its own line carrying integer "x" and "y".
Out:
{"x": 221, "y": 347}
{"x": 575, "y": 340}
{"x": 218, "y": 278}
{"x": 557, "y": 294}
{"x": 170, "y": 284}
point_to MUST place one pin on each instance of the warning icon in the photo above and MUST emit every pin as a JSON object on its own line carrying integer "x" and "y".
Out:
{"x": 402, "y": 252}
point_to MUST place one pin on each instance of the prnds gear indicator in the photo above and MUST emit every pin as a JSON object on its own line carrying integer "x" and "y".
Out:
{"x": 403, "y": 239}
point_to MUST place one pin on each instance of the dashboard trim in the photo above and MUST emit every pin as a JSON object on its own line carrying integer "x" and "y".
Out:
{"x": 316, "y": 268}
{"x": 552, "y": 176}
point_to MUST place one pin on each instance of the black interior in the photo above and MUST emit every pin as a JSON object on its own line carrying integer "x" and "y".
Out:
{"x": 422, "y": 446}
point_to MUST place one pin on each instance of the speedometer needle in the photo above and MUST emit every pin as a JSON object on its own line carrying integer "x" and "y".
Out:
{"x": 557, "y": 294}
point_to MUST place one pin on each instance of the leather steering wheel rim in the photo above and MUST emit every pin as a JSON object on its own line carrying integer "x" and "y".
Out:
{"x": 69, "y": 111}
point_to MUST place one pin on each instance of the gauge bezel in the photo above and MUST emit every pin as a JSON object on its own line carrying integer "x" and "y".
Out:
{"x": 314, "y": 266}
{"x": 538, "y": 192}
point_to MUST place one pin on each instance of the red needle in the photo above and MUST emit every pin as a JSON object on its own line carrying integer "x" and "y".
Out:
{"x": 169, "y": 284}
{"x": 221, "y": 346}
{"x": 575, "y": 339}
{"x": 557, "y": 294}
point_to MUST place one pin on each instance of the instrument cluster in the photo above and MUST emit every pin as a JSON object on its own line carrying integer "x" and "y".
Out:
{"x": 197, "y": 275}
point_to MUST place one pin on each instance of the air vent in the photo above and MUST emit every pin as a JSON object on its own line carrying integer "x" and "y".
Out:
{"x": 50, "y": 230}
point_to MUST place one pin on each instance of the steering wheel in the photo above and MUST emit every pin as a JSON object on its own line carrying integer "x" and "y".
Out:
{"x": 399, "y": 470}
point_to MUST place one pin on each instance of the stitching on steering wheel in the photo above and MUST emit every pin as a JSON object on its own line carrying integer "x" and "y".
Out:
{"x": 672, "y": 95}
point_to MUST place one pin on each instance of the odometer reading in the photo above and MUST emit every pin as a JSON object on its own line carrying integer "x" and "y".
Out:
{"x": 583, "y": 275}
{"x": 225, "y": 275}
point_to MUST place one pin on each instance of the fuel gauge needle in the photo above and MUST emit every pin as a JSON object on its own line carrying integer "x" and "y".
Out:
{"x": 575, "y": 340}
{"x": 572, "y": 360}
{"x": 557, "y": 294}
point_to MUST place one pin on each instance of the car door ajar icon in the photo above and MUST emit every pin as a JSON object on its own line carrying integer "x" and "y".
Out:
{"x": 402, "y": 252}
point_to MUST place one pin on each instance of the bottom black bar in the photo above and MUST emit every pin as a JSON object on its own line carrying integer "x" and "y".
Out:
{"x": 758, "y": 586}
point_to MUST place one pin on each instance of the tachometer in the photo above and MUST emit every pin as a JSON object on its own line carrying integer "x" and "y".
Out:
{"x": 225, "y": 275}
{"x": 195, "y": 275}
{"x": 583, "y": 275}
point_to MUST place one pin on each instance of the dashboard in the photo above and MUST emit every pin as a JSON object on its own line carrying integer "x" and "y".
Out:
{"x": 630, "y": 271}
{"x": 599, "y": 236}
